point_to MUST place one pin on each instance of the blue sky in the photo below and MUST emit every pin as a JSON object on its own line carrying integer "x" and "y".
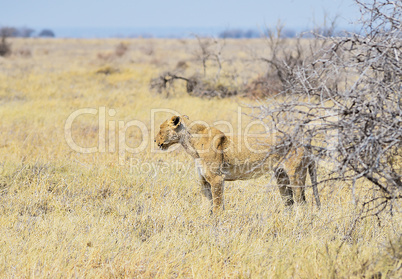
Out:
{"x": 296, "y": 14}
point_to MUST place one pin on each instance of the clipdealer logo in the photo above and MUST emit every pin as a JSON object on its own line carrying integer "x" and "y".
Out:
{"x": 112, "y": 131}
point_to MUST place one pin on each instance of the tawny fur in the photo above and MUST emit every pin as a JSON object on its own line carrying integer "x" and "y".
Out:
{"x": 222, "y": 158}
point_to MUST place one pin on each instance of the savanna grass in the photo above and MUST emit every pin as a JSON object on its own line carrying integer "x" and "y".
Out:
{"x": 67, "y": 214}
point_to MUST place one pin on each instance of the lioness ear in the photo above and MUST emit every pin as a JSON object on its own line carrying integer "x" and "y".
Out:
{"x": 176, "y": 120}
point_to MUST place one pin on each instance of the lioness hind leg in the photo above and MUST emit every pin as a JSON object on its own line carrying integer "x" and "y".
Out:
{"x": 312, "y": 168}
{"x": 283, "y": 181}
{"x": 299, "y": 184}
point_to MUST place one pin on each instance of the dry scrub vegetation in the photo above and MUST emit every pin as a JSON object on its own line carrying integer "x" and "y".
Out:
{"x": 68, "y": 214}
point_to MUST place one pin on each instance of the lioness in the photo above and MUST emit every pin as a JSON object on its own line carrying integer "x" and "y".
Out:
{"x": 220, "y": 157}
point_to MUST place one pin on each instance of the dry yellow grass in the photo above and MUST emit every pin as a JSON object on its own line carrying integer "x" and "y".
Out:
{"x": 66, "y": 214}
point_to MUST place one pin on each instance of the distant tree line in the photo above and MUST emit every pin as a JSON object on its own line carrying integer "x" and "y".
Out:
{"x": 251, "y": 33}
{"x": 285, "y": 33}
{"x": 239, "y": 33}
{"x": 25, "y": 32}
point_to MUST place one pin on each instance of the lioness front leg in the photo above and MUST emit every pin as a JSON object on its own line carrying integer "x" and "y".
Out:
{"x": 217, "y": 192}
{"x": 206, "y": 190}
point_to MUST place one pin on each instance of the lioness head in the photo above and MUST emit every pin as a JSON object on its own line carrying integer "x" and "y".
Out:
{"x": 169, "y": 132}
